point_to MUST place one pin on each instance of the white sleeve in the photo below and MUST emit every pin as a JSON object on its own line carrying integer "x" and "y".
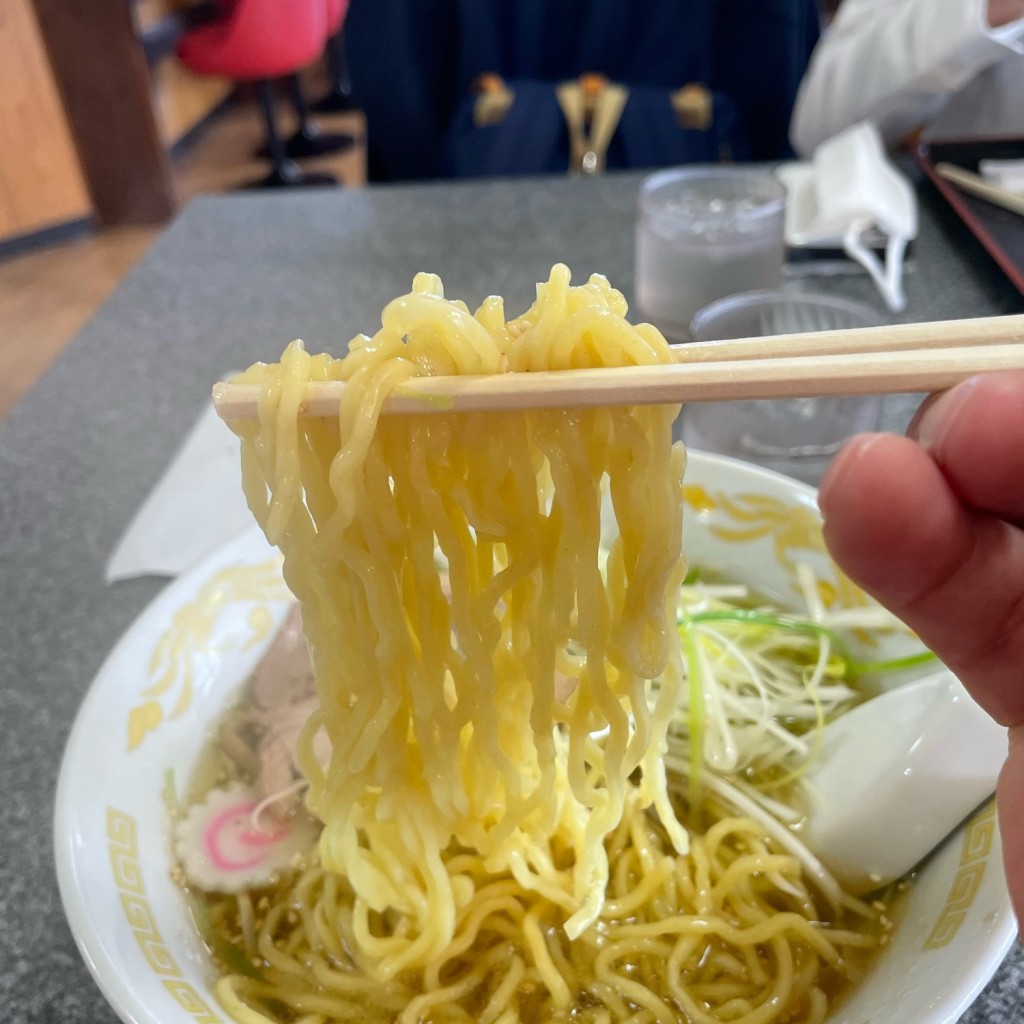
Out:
{"x": 895, "y": 62}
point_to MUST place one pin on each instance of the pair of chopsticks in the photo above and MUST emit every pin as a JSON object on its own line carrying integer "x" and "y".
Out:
{"x": 872, "y": 360}
{"x": 976, "y": 185}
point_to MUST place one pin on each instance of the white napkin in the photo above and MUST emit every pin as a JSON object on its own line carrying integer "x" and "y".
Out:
{"x": 195, "y": 507}
{"x": 849, "y": 193}
{"x": 1008, "y": 174}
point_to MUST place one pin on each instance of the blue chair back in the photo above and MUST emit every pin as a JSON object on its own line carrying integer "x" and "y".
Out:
{"x": 413, "y": 63}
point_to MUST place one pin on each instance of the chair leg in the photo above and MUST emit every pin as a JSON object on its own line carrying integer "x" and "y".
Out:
{"x": 283, "y": 167}
{"x": 339, "y": 99}
{"x": 286, "y": 172}
{"x": 309, "y": 140}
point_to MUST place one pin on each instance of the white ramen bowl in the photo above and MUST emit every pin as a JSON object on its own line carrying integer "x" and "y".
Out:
{"x": 161, "y": 689}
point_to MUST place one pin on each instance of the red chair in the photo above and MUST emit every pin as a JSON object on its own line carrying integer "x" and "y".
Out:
{"x": 336, "y": 11}
{"x": 308, "y": 139}
{"x": 339, "y": 98}
{"x": 260, "y": 40}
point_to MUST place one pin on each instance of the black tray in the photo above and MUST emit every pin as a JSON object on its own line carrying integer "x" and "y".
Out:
{"x": 1000, "y": 231}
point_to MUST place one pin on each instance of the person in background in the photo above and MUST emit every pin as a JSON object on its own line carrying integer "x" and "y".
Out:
{"x": 417, "y": 67}
{"x": 933, "y": 526}
{"x": 955, "y": 67}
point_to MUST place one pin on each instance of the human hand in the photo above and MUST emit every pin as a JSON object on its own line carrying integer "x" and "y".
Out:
{"x": 1002, "y": 12}
{"x": 932, "y": 525}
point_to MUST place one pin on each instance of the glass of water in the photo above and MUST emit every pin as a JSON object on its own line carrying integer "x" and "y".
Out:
{"x": 795, "y": 436}
{"x": 703, "y": 233}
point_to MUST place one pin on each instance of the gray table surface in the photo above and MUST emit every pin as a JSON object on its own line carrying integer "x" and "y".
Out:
{"x": 232, "y": 280}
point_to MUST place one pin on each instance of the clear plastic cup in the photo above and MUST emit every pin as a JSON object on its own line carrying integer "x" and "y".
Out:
{"x": 794, "y": 436}
{"x": 703, "y": 233}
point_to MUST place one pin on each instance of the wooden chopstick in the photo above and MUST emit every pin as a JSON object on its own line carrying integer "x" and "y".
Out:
{"x": 839, "y": 366}
{"x": 976, "y": 185}
{"x": 992, "y": 330}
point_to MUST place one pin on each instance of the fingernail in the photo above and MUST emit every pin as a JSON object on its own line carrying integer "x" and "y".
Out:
{"x": 851, "y": 452}
{"x": 938, "y": 419}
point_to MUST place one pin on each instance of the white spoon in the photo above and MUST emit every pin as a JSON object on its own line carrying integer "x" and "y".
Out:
{"x": 896, "y": 775}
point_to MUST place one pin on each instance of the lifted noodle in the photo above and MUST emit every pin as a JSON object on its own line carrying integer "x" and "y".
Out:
{"x": 499, "y": 841}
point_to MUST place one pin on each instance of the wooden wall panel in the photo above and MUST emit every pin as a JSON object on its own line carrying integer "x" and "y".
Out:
{"x": 103, "y": 79}
{"x": 41, "y": 180}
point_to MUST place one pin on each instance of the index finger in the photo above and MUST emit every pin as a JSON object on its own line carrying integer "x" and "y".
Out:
{"x": 975, "y": 434}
